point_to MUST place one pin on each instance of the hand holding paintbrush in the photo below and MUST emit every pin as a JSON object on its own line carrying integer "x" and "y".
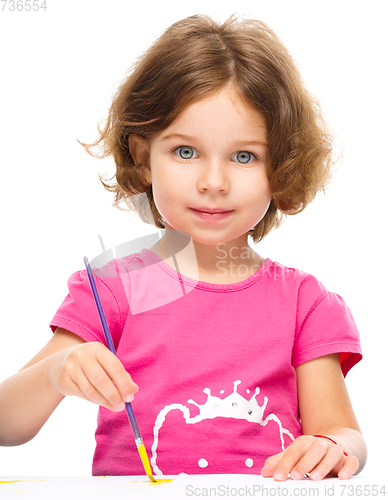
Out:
{"x": 128, "y": 406}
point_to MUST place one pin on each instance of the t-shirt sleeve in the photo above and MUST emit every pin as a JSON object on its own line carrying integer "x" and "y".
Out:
{"x": 78, "y": 312}
{"x": 324, "y": 326}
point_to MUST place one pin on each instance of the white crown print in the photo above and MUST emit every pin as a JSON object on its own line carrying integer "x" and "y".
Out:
{"x": 232, "y": 406}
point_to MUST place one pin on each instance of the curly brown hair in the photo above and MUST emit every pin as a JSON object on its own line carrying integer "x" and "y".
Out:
{"x": 193, "y": 58}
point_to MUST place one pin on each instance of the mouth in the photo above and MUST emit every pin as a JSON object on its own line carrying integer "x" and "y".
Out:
{"x": 209, "y": 210}
{"x": 213, "y": 215}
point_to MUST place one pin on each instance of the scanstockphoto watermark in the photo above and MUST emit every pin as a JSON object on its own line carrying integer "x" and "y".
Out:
{"x": 257, "y": 490}
{"x": 225, "y": 263}
{"x": 23, "y": 5}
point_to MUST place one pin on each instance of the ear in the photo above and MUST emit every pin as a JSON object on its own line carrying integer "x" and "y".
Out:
{"x": 139, "y": 149}
{"x": 140, "y": 152}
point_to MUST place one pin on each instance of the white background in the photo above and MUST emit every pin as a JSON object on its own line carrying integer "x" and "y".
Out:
{"x": 59, "y": 69}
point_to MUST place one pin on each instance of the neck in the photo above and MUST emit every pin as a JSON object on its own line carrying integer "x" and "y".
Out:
{"x": 226, "y": 262}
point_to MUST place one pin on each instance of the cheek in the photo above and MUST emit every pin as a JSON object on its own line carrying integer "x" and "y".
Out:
{"x": 167, "y": 192}
{"x": 257, "y": 200}
{"x": 258, "y": 193}
{"x": 159, "y": 193}
{"x": 267, "y": 197}
{"x": 159, "y": 182}
{"x": 264, "y": 187}
{"x": 261, "y": 208}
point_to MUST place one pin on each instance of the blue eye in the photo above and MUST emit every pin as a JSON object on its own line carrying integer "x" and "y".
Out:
{"x": 244, "y": 157}
{"x": 185, "y": 152}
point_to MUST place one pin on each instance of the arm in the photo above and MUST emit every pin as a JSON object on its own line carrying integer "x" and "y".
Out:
{"x": 27, "y": 398}
{"x": 65, "y": 366}
{"x": 325, "y": 409}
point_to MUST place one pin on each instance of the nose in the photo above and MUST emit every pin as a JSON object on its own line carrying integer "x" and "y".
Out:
{"x": 213, "y": 176}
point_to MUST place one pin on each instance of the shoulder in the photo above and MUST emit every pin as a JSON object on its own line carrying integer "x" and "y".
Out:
{"x": 307, "y": 291}
{"x": 114, "y": 271}
{"x": 78, "y": 313}
{"x": 107, "y": 265}
{"x": 304, "y": 295}
{"x": 111, "y": 276}
{"x": 295, "y": 281}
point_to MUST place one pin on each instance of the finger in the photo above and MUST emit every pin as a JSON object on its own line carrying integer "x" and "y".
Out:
{"x": 309, "y": 459}
{"x": 270, "y": 464}
{"x": 332, "y": 458}
{"x": 117, "y": 373}
{"x": 349, "y": 468}
{"x": 98, "y": 386}
{"x": 91, "y": 393}
{"x": 291, "y": 457}
{"x": 83, "y": 389}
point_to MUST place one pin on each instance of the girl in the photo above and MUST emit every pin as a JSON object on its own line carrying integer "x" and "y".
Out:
{"x": 234, "y": 363}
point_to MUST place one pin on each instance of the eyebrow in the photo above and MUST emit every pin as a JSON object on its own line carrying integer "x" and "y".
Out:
{"x": 190, "y": 139}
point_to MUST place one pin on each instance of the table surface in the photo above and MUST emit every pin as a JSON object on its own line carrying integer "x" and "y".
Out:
{"x": 184, "y": 486}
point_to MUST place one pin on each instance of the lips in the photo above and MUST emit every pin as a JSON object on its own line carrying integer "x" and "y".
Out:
{"x": 211, "y": 215}
{"x": 209, "y": 210}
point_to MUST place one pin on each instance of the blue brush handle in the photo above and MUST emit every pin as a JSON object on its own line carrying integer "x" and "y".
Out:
{"x": 109, "y": 341}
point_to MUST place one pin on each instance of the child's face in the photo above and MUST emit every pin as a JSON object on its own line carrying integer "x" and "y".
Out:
{"x": 213, "y": 155}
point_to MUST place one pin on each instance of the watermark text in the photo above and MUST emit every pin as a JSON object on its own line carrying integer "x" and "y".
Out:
{"x": 257, "y": 490}
{"x": 23, "y": 5}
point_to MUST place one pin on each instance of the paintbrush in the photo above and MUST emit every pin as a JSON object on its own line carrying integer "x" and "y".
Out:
{"x": 128, "y": 406}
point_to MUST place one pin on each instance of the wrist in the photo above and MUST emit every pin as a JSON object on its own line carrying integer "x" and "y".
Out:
{"x": 350, "y": 440}
{"x": 48, "y": 369}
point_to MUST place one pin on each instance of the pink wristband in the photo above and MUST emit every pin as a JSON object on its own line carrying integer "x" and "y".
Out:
{"x": 332, "y": 440}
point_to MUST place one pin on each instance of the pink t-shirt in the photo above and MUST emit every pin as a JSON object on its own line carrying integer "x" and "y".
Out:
{"x": 215, "y": 363}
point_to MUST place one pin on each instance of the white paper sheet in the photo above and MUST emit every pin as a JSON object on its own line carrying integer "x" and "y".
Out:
{"x": 183, "y": 487}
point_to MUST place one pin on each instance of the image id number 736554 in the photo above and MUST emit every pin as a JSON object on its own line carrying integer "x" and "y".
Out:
{"x": 362, "y": 490}
{"x": 23, "y": 5}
